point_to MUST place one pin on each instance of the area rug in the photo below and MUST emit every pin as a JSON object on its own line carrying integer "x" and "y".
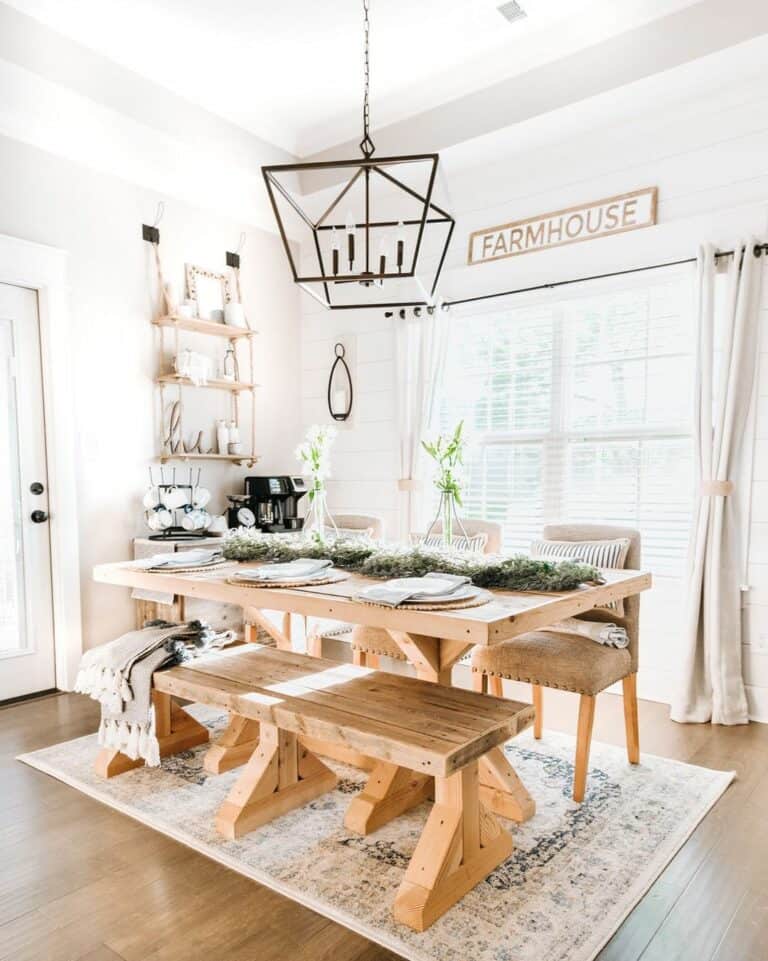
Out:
{"x": 574, "y": 875}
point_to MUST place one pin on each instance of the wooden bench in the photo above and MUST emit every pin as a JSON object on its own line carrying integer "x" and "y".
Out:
{"x": 426, "y": 740}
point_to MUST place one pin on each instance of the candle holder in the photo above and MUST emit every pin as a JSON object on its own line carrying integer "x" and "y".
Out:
{"x": 340, "y": 399}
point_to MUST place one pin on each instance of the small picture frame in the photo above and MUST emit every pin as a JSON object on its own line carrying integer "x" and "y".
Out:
{"x": 211, "y": 291}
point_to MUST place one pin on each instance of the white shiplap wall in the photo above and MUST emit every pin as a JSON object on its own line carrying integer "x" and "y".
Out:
{"x": 707, "y": 157}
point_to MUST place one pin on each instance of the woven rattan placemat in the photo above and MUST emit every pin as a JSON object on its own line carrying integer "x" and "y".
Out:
{"x": 482, "y": 598}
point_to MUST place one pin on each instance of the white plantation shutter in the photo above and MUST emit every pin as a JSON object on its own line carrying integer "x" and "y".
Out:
{"x": 578, "y": 409}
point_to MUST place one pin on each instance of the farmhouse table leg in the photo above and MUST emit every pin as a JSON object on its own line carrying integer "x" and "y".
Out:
{"x": 176, "y": 731}
{"x": 281, "y": 775}
{"x": 234, "y": 747}
{"x": 500, "y": 788}
{"x": 282, "y": 638}
{"x": 390, "y": 791}
{"x": 462, "y": 842}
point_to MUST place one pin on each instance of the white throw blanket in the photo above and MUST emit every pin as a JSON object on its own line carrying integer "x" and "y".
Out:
{"x": 119, "y": 676}
{"x": 609, "y": 635}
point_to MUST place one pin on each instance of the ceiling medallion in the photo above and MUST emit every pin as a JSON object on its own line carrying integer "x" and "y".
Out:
{"x": 380, "y": 231}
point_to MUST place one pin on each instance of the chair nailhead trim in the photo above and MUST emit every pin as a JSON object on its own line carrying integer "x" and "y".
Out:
{"x": 536, "y": 681}
{"x": 373, "y": 650}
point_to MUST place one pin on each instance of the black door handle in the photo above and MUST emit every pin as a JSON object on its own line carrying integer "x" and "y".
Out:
{"x": 38, "y": 517}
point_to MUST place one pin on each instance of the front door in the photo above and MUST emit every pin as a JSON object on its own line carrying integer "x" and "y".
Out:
{"x": 26, "y": 611}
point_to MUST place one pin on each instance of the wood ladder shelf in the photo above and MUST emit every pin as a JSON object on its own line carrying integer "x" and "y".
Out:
{"x": 173, "y": 447}
{"x": 174, "y": 380}
{"x": 198, "y": 326}
{"x": 244, "y": 460}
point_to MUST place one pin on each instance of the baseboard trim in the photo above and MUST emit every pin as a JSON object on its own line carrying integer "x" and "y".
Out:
{"x": 36, "y": 696}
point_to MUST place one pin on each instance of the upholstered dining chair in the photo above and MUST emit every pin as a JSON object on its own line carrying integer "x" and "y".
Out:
{"x": 570, "y": 662}
{"x": 370, "y": 524}
{"x": 370, "y": 643}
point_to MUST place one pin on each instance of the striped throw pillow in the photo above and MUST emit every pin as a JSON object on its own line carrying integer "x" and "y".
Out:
{"x": 474, "y": 544}
{"x": 609, "y": 553}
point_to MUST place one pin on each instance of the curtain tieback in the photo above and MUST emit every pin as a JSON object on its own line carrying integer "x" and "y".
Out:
{"x": 717, "y": 488}
{"x": 408, "y": 484}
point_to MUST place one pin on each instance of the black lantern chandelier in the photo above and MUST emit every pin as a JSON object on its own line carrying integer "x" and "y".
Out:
{"x": 381, "y": 230}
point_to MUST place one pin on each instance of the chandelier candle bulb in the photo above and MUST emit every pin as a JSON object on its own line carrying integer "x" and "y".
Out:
{"x": 351, "y": 240}
{"x": 335, "y": 247}
{"x": 400, "y": 245}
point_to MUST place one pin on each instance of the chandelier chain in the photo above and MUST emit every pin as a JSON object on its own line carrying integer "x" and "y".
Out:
{"x": 366, "y": 145}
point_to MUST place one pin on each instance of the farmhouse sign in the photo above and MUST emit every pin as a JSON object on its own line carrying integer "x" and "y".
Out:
{"x": 614, "y": 215}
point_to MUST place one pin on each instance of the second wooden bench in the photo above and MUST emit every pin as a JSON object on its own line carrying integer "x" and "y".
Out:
{"x": 426, "y": 740}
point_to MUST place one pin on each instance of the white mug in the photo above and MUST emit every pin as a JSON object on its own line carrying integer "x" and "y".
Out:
{"x": 218, "y": 524}
{"x": 151, "y": 498}
{"x": 159, "y": 519}
{"x": 174, "y": 497}
{"x": 192, "y": 521}
{"x": 234, "y": 315}
{"x": 200, "y": 496}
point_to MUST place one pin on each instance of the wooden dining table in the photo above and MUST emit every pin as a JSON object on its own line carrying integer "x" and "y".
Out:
{"x": 432, "y": 641}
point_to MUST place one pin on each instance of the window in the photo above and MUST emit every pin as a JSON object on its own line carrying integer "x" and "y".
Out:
{"x": 578, "y": 409}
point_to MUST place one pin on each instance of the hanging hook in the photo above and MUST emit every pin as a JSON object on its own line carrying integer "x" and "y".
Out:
{"x": 150, "y": 233}
{"x": 233, "y": 259}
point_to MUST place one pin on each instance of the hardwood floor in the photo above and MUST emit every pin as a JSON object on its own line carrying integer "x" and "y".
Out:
{"x": 80, "y": 882}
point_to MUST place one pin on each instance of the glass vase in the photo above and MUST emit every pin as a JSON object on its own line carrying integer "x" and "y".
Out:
{"x": 449, "y": 520}
{"x": 448, "y": 510}
{"x": 319, "y": 519}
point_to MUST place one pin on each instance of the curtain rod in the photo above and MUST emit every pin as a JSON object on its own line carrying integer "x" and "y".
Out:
{"x": 757, "y": 250}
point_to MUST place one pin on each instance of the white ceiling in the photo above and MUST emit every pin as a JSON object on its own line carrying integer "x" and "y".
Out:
{"x": 291, "y": 72}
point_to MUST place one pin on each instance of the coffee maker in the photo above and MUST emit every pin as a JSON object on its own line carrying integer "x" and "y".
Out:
{"x": 270, "y": 504}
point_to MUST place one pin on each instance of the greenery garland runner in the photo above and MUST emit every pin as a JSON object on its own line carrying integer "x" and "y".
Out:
{"x": 360, "y": 556}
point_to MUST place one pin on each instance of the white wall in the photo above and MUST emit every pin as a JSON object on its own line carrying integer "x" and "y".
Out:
{"x": 707, "y": 156}
{"x": 62, "y": 97}
{"x": 97, "y": 218}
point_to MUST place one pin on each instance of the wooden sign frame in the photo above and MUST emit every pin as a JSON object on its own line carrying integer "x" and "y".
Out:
{"x": 519, "y": 232}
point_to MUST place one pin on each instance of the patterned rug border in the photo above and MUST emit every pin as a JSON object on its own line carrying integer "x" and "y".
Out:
{"x": 590, "y": 950}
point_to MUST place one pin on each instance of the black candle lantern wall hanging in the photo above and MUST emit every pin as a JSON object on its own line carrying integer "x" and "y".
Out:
{"x": 340, "y": 386}
{"x": 379, "y": 239}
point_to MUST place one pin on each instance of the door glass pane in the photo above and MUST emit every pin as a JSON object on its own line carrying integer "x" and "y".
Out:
{"x": 13, "y": 632}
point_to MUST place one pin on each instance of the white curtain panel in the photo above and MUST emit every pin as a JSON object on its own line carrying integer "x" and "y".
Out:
{"x": 711, "y": 687}
{"x": 420, "y": 358}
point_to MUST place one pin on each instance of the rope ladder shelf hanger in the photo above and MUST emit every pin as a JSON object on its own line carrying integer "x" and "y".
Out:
{"x": 378, "y": 229}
